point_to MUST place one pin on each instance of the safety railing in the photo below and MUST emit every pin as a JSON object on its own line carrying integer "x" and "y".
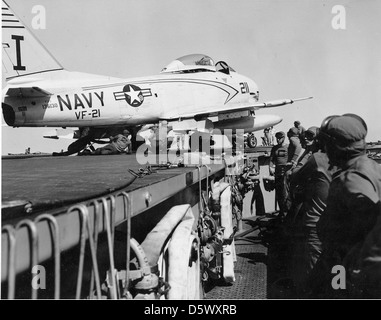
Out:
{"x": 48, "y": 233}
{"x": 44, "y": 240}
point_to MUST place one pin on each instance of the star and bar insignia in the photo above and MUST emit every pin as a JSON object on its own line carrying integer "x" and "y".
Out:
{"x": 133, "y": 95}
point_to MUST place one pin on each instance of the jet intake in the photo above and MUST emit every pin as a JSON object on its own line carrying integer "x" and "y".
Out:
{"x": 8, "y": 114}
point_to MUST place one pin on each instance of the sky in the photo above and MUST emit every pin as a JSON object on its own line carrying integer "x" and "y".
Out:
{"x": 290, "y": 48}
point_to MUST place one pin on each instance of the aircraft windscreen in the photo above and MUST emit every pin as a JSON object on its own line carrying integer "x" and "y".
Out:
{"x": 199, "y": 62}
{"x": 222, "y": 66}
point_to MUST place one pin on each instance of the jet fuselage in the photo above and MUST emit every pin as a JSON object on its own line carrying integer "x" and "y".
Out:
{"x": 127, "y": 102}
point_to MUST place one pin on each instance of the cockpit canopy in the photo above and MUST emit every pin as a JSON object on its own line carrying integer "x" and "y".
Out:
{"x": 196, "y": 63}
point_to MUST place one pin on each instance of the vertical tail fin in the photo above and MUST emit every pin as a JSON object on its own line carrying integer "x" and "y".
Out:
{"x": 23, "y": 54}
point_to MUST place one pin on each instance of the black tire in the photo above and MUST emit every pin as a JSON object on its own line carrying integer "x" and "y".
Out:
{"x": 251, "y": 141}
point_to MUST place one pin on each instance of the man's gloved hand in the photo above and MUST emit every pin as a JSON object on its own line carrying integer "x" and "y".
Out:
{"x": 290, "y": 165}
{"x": 288, "y": 173}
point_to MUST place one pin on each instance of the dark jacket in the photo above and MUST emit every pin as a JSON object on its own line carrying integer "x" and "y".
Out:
{"x": 294, "y": 149}
{"x": 352, "y": 205}
{"x": 279, "y": 157}
{"x": 314, "y": 179}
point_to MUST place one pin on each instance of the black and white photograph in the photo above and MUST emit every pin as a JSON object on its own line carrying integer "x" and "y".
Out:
{"x": 198, "y": 152}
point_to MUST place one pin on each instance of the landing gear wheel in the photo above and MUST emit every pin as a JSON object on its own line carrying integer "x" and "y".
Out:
{"x": 251, "y": 140}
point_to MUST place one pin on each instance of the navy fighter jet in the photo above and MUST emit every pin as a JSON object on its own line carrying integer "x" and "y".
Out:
{"x": 40, "y": 93}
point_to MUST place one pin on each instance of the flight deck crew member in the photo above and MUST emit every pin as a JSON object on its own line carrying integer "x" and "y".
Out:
{"x": 312, "y": 179}
{"x": 86, "y": 136}
{"x": 267, "y": 139}
{"x": 253, "y": 182}
{"x": 120, "y": 143}
{"x": 310, "y": 145}
{"x": 350, "y": 226}
{"x": 272, "y": 135}
{"x": 295, "y": 147}
{"x": 278, "y": 164}
{"x": 300, "y": 128}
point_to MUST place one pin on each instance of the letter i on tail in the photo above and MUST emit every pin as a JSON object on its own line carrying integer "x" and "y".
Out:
{"x": 23, "y": 54}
